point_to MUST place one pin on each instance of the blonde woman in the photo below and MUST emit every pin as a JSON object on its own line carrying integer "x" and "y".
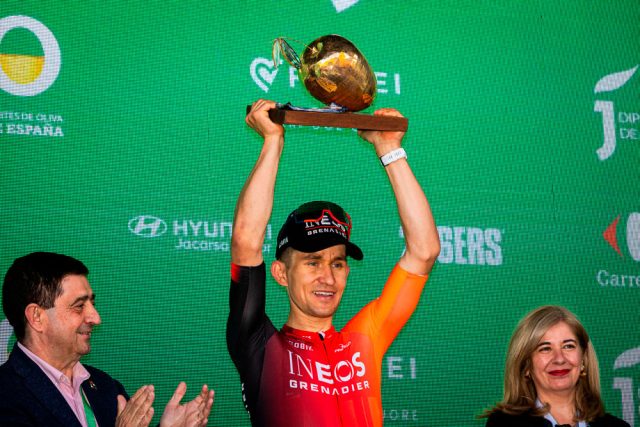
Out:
{"x": 551, "y": 375}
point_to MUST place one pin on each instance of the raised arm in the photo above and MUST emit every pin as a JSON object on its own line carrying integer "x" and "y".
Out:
{"x": 421, "y": 235}
{"x": 255, "y": 203}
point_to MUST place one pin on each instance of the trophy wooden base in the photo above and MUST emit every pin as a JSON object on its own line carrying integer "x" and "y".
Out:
{"x": 338, "y": 120}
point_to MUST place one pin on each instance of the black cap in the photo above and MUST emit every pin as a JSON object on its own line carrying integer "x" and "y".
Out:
{"x": 315, "y": 226}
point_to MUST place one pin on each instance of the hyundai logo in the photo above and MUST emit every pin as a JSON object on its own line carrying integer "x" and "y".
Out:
{"x": 147, "y": 226}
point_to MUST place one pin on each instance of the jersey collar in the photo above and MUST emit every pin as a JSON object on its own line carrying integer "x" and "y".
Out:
{"x": 309, "y": 336}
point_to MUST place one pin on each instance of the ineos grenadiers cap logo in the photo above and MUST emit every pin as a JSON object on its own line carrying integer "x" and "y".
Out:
{"x": 147, "y": 226}
{"x": 25, "y": 74}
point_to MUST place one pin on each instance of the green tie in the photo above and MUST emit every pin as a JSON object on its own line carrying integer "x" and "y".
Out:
{"x": 88, "y": 412}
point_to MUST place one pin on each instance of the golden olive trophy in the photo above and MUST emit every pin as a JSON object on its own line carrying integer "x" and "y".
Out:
{"x": 337, "y": 74}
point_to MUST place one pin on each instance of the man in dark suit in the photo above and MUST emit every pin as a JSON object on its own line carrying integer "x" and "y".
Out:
{"x": 47, "y": 299}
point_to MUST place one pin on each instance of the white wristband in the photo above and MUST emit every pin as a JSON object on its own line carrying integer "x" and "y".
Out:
{"x": 392, "y": 156}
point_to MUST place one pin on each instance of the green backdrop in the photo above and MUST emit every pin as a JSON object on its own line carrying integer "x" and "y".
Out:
{"x": 122, "y": 143}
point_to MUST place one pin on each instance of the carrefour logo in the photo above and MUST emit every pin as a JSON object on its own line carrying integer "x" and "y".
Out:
{"x": 632, "y": 234}
{"x": 28, "y": 73}
{"x": 147, "y": 226}
{"x": 617, "y": 239}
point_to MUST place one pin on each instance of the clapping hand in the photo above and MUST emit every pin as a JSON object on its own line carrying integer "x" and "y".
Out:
{"x": 191, "y": 414}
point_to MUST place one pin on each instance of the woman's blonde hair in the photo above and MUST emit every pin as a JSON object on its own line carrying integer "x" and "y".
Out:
{"x": 519, "y": 390}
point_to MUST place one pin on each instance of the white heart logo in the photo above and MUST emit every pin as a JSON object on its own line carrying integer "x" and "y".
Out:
{"x": 262, "y": 73}
{"x": 341, "y": 5}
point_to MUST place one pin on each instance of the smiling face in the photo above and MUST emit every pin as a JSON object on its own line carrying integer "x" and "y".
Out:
{"x": 556, "y": 362}
{"x": 70, "y": 321}
{"x": 315, "y": 282}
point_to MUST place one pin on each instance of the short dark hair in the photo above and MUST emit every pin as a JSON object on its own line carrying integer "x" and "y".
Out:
{"x": 35, "y": 278}
{"x": 287, "y": 256}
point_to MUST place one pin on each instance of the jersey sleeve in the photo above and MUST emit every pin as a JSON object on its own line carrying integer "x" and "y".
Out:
{"x": 248, "y": 327}
{"x": 383, "y": 318}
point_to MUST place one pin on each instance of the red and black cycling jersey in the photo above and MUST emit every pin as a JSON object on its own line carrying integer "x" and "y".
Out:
{"x": 300, "y": 378}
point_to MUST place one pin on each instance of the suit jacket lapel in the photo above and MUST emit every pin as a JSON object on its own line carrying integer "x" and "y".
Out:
{"x": 42, "y": 388}
{"x": 98, "y": 402}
